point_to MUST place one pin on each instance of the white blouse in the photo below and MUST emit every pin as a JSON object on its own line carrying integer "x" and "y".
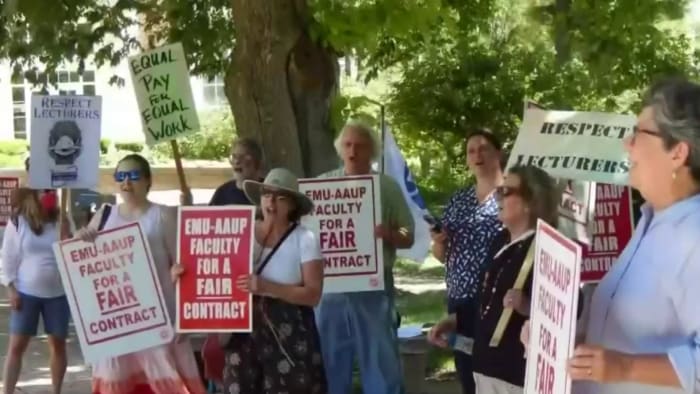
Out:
{"x": 28, "y": 260}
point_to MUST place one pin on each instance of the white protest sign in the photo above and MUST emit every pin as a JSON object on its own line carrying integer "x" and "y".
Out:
{"x": 584, "y": 146}
{"x": 114, "y": 294}
{"x": 553, "y": 311}
{"x": 577, "y": 207}
{"x": 65, "y": 142}
{"x": 577, "y": 210}
{"x": 346, "y": 211}
{"x": 162, "y": 84}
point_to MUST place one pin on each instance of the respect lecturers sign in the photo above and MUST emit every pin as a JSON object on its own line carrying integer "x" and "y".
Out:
{"x": 215, "y": 244}
{"x": 553, "y": 308}
{"x": 346, "y": 211}
{"x": 162, "y": 84}
{"x": 65, "y": 142}
{"x": 585, "y": 146}
{"x": 114, "y": 293}
{"x": 612, "y": 230}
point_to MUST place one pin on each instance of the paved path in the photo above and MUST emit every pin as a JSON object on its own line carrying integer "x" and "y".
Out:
{"x": 35, "y": 378}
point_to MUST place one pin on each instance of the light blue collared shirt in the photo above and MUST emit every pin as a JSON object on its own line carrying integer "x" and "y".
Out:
{"x": 649, "y": 302}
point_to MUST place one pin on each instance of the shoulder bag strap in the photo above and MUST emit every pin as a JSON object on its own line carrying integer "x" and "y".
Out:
{"x": 272, "y": 252}
{"x": 106, "y": 209}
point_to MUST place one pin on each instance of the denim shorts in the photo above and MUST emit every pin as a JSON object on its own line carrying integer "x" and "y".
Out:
{"x": 54, "y": 311}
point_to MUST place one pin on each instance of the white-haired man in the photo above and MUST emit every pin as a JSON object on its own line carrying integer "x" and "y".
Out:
{"x": 363, "y": 324}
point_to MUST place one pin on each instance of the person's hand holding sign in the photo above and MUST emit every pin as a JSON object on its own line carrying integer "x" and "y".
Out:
{"x": 250, "y": 284}
{"x": 87, "y": 234}
{"x": 525, "y": 334}
{"x": 176, "y": 271}
{"x": 397, "y": 238}
{"x": 516, "y": 300}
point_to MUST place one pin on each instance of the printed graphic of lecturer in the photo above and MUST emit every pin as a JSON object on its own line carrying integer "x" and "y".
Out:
{"x": 65, "y": 145}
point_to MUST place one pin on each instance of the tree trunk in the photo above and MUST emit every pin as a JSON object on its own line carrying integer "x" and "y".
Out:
{"x": 280, "y": 85}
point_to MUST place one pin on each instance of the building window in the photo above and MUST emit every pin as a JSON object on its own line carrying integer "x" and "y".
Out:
{"x": 214, "y": 95}
{"x": 19, "y": 111}
{"x": 63, "y": 82}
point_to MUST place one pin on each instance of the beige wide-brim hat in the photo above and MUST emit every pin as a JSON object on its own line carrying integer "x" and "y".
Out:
{"x": 279, "y": 180}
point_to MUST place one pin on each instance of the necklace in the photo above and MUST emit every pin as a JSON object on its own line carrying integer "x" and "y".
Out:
{"x": 491, "y": 294}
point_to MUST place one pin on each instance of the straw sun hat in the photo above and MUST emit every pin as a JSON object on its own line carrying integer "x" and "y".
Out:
{"x": 279, "y": 180}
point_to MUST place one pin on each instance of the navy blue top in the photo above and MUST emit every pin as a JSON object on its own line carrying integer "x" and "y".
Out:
{"x": 229, "y": 194}
{"x": 471, "y": 228}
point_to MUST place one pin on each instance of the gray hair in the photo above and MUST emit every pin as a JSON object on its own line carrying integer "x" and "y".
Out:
{"x": 676, "y": 106}
{"x": 540, "y": 192}
{"x": 252, "y": 147}
{"x": 366, "y": 130}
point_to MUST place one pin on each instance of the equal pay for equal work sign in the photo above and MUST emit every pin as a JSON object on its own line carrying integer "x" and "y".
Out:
{"x": 114, "y": 293}
{"x": 162, "y": 85}
{"x": 215, "y": 245}
{"x": 346, "y": 211}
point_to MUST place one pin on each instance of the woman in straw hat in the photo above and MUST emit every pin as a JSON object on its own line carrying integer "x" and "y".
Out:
{"x": 282, "y": 354}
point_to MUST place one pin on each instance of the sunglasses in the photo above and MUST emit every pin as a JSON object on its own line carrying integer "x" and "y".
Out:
{"x": 505, "y": 191}
{"x": 133, "y": 175}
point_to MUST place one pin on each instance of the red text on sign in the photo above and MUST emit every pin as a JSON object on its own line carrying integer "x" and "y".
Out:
{"x": 353, "y": 193}
{"x": 544, "y": 377}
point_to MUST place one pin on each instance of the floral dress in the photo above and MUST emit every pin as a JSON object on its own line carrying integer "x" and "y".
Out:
{"x": 283, "y": 353}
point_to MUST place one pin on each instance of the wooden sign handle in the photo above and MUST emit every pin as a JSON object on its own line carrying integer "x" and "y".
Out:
{"x": 178, "y": 167}
{"x": 63, "y": 220}
{"x": 518, "y": 285}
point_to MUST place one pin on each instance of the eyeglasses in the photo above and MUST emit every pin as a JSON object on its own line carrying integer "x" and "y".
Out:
{"x": 505, "y": 191}
{"x": 638, "y": 130}
{"x": 133, "y": 175}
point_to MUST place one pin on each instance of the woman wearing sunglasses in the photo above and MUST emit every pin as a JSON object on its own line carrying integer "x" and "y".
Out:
{"x": 164, "y": 369}
{"x": 527, "y": 194}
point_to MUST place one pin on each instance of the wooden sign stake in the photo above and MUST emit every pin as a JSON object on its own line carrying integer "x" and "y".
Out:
{"x": 178, "y": 166}
{"x": 518, "y": 285}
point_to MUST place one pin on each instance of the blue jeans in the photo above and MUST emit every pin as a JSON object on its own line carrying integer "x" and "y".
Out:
{"x": 55, "y": 313}
{"x": 362, "y": 325}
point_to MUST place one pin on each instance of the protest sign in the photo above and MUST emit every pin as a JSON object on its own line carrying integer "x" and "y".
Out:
{"x": 577, "y": 207}
{"x": 114, "y": 293}
{"x": 584, "y": 146}
{"x": 215, "y": 245}
{"x": 65, "y": 142}
{"x": 612, "y": 230}
{"x": 576, "y": 210}
{"x": 553, "y": 310}
{"x": 7, "y": 186}
{"x": 162, "y": 85}
{"x": 346, "y": 212}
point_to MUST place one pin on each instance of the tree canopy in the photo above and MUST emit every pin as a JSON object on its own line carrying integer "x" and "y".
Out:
{"x": 456, "y": 64}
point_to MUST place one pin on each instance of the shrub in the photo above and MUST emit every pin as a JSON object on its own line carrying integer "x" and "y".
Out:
{"x": 212, "y": 142}
{"x": 14, "y": 147}
{"x": 135, "y": 147}
{"x": 11, "y": 161}
{"x": 104, "y": 145}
